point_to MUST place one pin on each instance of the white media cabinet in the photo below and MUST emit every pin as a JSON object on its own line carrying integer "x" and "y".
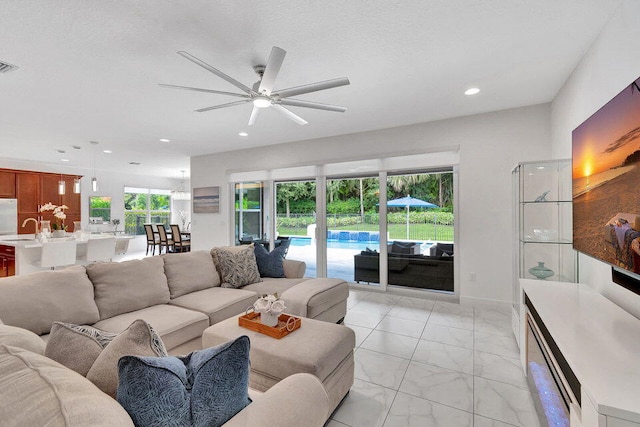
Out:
{"x": 601, "y": 344}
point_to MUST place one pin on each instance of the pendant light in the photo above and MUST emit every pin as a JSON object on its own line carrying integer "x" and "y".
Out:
{"x": 181, "y": 193}
{"x": 94, "y": 180}
{"x": 62, "y": 186}
{"x": 76, "y": 185}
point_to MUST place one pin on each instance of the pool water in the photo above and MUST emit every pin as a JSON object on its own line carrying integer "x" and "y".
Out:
{"x": 344, "y": 244}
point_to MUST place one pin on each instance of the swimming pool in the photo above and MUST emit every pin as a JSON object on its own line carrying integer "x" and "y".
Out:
{"x": 346, "y": 244}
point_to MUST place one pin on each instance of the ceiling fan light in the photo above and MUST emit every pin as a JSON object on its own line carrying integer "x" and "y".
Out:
{"x": 261, "y": 102}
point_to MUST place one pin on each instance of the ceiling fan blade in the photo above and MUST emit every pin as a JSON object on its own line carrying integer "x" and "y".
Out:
{"x": 309, "y": 104}
{"x": 215, "y": 71}
{"x": 313, "y": 87}
{"x": 271, "y": 70}
{"x": 196, "y": 89}
{"x": 254, "y": 115}
{"x": 289, "y": 114}
{"x": 229, "y": 104}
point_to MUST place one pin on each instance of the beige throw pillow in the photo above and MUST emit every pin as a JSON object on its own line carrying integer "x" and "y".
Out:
{"x": 237, "y": 265}
{"x": 139, "y": 339}
{"x": 76, "y": 346}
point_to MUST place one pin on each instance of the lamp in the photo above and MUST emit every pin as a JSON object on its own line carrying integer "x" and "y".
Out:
{"x": 76, "y": 185}
{"x": 94, "y": 180}
{"x": 181, "y": 193}
{"x": 62, "y": 186}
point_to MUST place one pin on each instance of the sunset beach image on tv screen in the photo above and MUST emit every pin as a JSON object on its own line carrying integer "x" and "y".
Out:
{"x": 606, "y": 182}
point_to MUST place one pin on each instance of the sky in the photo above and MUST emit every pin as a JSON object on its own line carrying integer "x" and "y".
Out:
{"x": 606, "y": 138}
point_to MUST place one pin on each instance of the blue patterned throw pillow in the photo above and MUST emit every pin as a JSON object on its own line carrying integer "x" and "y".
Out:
{"x": 203, "y": 389}
{"x": 270, "y": 264}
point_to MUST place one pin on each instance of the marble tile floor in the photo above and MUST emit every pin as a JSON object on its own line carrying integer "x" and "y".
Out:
{"x": 426, "y": 363}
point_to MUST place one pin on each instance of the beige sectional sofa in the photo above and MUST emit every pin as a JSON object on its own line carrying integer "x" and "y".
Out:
{"x": 180, "y": 296}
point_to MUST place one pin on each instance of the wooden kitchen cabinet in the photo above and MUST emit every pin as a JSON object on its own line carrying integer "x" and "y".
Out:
{"x": 34, "y": 189}
{"x": 7, "y": 185}
{"x": 7, "y": 261}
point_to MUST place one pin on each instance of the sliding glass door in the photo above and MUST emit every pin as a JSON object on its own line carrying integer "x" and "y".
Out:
{"x": 295, "y": 222}
{"x": 420, "y": 229}
{"x": 353, "y": 231}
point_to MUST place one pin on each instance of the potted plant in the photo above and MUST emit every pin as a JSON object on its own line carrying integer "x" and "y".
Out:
{"x": 58, "y": 227}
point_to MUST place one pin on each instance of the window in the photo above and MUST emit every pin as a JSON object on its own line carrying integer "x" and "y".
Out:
{"x": 248, "y": 211}
{"x": 99, "y": 209}
{"x": 144, "y": 206}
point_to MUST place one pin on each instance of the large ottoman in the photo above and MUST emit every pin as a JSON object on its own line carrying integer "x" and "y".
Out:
{"x": 319, "y": 348}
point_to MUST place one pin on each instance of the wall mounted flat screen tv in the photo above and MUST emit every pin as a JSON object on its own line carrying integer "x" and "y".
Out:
{"x": 606, "y": 182}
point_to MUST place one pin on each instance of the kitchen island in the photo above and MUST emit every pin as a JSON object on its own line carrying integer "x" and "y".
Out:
{"x": 27, "y": 249}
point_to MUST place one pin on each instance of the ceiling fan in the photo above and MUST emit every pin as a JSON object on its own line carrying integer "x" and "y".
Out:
{"x": 262, "y": 94}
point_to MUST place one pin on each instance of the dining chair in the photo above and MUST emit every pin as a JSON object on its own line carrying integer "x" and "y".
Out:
{"x": 58, "y": 254}
{"x": 99, "y": 249}
{"x": 164, "y": 240}
{"x": 179, "y": 243}
{"x": 152, "y": 241}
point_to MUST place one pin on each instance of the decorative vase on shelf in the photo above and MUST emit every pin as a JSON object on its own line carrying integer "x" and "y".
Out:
{"x": 540, "y": 271}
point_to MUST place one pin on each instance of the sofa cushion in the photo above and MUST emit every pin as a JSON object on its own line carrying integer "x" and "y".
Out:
{"x": 36, "y": 391}
{"x": 270, "y": 286}
{"x": 217, "y": 303}
{"x": 76, "y": 346}
{"x": 175, "y": 325}
{"x": 205, "y": 388}
{"x": 270, "y": 264}
{"x": 64, "y": 295}
{"x": 123, "y": 287}
{"x": 189, "y": 272}
{"x": 315, "y": 296}
{"x": 237, "y": 265}
{"x": 21, "y": 338}
{"x": 138, "y": 339}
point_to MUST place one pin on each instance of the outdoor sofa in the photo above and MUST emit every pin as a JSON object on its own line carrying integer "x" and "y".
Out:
{"x": 408, "y": 269}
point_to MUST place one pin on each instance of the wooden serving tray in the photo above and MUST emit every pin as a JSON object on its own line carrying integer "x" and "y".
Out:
{"x": 285, "y": 325}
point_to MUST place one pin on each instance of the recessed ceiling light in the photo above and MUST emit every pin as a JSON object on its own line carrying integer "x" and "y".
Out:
{"x": 165, "y": 140}
{"x": 76, "y": 147}
{"x": 61, "y": 151}
{"x": 135, "y": 163}
{"x": 64, "y": 160}
{"x": 243, "y": 134}
{"x": 107, "y": 151}
{"x": 471, "y": 91}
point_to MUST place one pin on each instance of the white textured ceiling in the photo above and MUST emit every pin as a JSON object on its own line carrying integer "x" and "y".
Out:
{"x": 89, "y": 69}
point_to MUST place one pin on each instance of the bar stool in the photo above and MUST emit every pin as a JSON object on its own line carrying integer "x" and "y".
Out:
{"x": 58, "y": 254}
{"x": 99, "y": 249}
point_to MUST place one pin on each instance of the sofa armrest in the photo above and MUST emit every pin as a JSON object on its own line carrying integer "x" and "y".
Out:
{"x": 294, "y": 269}
{"x": 298, "y": 400}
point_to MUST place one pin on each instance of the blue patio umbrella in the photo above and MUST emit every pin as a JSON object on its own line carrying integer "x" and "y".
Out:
{"x": 409, "y": 202}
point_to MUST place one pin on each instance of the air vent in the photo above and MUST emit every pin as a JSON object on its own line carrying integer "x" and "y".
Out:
{"x": 5, "y": 67}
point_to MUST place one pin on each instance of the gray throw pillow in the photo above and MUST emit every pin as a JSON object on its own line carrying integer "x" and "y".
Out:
{"x": 205, "y": 388}
{"x": 138, "y": 339}
{"x": 76, "y": 346}
{"x": 270, "y": 264}
{"x": 237, "y": 265}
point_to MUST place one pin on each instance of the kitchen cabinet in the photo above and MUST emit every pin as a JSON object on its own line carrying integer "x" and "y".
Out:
{"x": 33, "y": 189}
{"x": 7, "y": 261}
{"x": 7, "y": 185}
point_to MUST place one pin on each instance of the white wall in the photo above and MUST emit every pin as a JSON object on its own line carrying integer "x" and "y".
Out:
{"x": 612, "y": 62}
{"x": 490, "y": 146}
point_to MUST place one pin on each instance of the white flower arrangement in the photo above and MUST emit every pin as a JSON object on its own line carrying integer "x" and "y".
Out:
{"x": 58, "y": 213}
{"x": 270, "y": 308}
